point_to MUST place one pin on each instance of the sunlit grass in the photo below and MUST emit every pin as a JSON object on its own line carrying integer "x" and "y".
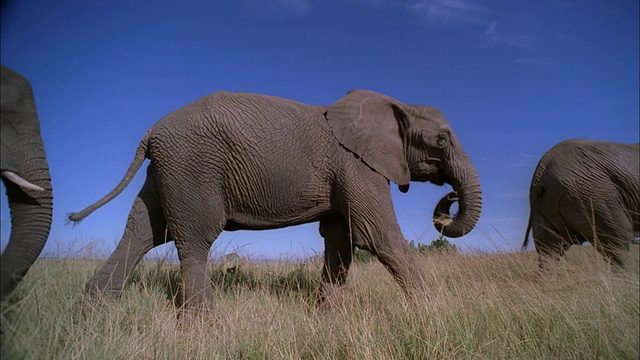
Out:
{"x": 483, "y": 306}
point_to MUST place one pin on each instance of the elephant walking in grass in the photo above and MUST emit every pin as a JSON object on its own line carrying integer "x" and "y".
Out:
{"x": 585, "y": 190}
{"x": 25, "y": 174}
{"x": 232, "y": 161}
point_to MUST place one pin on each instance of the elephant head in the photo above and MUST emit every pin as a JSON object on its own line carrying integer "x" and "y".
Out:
{"x": 410, "y": 143}
{"x": 25, "y": 173}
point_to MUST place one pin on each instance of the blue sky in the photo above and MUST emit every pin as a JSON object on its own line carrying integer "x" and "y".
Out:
{"x": 513, "y": 78}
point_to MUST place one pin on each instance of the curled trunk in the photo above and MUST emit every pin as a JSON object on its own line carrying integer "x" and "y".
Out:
{"x": 467, "y": 193}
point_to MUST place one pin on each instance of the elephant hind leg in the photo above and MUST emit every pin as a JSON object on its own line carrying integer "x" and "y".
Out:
{"x": 338, "y": 255}
{"x": 145, "y": 229}
{"x": 550, "y": 244}
{"x": 195, "y": 226}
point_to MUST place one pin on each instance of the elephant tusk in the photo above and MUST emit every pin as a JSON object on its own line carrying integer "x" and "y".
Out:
{"x": 16, "y": 179}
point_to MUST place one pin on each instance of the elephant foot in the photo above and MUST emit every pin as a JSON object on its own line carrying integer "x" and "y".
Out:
{"x": 330, "y": 296}
{"x": 189, "y": 318}
{"x": 196, "y": 309}
{"x": 95, "y": 299}
{"x": 90, "y": 303}
{"x": 413, "y": 279}
{"x": 418, "y": 293}
{"x": 196, "y": 315}
{"x": 93, "y": 290}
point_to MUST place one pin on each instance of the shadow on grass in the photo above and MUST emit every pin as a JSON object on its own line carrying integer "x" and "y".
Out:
{"x": 296, "y": 281}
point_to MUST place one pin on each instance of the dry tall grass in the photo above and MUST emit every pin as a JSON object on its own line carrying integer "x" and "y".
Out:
{"x": 481, "y": 307}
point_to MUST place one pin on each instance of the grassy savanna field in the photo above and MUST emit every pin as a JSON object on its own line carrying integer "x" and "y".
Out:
{"x": 492, "y": 306}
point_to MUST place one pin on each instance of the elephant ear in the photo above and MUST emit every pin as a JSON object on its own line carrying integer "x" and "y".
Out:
{"x": 372, "y": 126}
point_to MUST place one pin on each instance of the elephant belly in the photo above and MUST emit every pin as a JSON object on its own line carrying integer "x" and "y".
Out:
{"x": 278, "y": 200}
{"x": 250, "y": 222}
{"x": 263, "y": 217}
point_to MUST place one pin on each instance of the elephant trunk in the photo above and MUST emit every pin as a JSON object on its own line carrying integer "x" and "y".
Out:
{"x": 466, "y": 186}
{"x": 25, "y": 173}
{"x": 31, "y": 214}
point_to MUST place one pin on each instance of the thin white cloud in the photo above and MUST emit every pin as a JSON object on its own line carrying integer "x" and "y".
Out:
{"x": 469, "y": 12}
{"x": 298, "y": 7}
{"x": 373, "y": 3}
{"x": 491, "y": 30}
{"x": 537, "y": 61}
{"x": 493, "y": 35}
{"x": 278, "y": 9}
{"x": 565, "y": 4}
{"x": 451, "y": 10}
{"x": 514, "y": 195}
{"x": 524, "y": 160}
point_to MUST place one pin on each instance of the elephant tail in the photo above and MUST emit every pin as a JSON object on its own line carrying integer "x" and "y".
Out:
{"x": 526, "y": 234}
{"x": 141, "y": 155}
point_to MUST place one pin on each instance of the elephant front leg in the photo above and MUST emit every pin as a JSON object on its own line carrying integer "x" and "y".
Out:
{"x": 372, "y": 222}
{"x": 338, "y": 255}
{"x": 401, "y": 260}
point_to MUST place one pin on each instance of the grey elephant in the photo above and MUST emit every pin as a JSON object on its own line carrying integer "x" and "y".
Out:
{"x": 232, "y": 161}
{"x": 584, "y": 190}
{"x": 25, "y": 173}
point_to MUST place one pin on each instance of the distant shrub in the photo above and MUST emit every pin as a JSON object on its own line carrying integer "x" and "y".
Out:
{"x": 362, "y": 256}
{"x": 231, "y": 257}
{"x": 440, "y": 244}
{"x": 443, "y": 244}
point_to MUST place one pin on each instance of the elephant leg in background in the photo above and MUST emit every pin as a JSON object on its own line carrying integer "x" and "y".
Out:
{"x": 145, "y": 229}
{"x": 611, "y": 234}
{"x": 615, "y": 250}
{"x": 338, "y": 255}
{"x": 550, "y": 244}
{"x": 604, "y": 223}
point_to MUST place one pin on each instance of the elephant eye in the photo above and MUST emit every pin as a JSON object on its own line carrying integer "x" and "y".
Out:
{"x": 442, "y": 140}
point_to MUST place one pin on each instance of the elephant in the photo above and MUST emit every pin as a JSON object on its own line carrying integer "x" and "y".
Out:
{"x": 25, "y": 174}
{"x": 585, "y": 190}
{"x": 234, "y": 160}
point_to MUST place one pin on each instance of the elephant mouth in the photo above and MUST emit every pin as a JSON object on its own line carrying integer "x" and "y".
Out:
{"x": 429, "y": 171}
{"x": 439, "y": 181}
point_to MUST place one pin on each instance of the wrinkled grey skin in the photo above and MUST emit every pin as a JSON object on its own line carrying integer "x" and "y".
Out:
{"x": 25, "y": 174}
{"x": 232, "y": 161}
{"x": 585, "y": 190}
